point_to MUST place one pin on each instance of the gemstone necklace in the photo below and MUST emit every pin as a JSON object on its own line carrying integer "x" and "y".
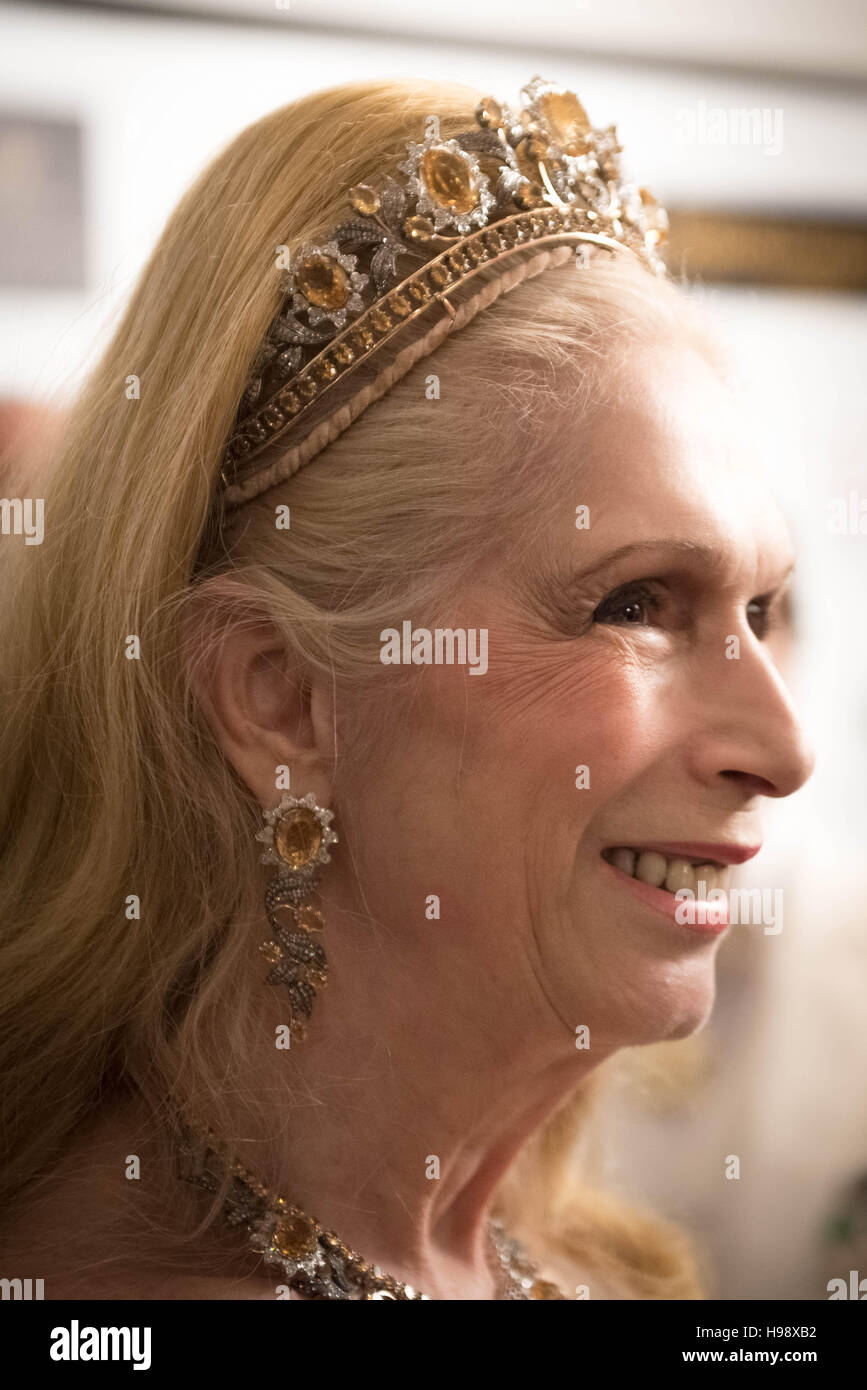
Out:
{"x": 316, "y": 1262}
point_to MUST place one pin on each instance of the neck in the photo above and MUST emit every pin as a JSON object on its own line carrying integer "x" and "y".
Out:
{"x": 401, "y": 1113}
{"x": 393, "y": 1124}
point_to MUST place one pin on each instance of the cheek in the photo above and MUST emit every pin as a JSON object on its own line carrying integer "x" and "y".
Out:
{"x": 560, "y": 707}
{"x": 481, "y": 775}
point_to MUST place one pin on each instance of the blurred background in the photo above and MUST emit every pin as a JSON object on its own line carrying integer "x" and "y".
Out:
{"x": 749, "y": 122}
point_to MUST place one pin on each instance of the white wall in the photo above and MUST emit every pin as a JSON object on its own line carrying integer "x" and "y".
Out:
{"x": 158, "y": 98}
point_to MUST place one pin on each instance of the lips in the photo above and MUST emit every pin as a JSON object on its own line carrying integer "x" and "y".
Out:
{"x": 698, "y": 874}
{"x": 653, "y": 872}
{"x": 709, "y": 851}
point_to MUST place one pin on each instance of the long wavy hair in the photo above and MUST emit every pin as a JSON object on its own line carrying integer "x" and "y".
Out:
{"x": 111, "y": 783}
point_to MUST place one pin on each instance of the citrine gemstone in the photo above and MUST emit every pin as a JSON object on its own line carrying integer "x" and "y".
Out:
{"x": 298, "y": 837}
{"x": 295, "y": 1236}
{"x": 343, "y": 354}
{"x": 326, "y": 369}
{"x": 271, "y": 951}
{"x": 399, "y": 305}
{"x": 363, "y": 338}
{"x": 418, "y": 292}
{"x": 438, "y": 275}
{"x": 448, "y": 179}
{"x": 566, "y": 120}
{"x": 323, "y": 282}
{"x": 306, "y": 388}
{"x": 528, "y": 166}
{"x": 381, "y": 321}
{"x": 364, "y": 199}
{"x": 419, "y": 228}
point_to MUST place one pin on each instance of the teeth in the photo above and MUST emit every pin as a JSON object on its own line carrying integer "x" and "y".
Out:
{"x": 712, "y": 876}
{"x": 681, "y": 874}
{"x": 651, "y": 868}
{"x": 624, "y": 859}
{"x": 671, "y": 874}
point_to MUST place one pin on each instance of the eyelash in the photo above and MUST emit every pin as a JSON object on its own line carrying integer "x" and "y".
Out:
{"x": 760, "y": 611}
{"x": 628, "y": 596}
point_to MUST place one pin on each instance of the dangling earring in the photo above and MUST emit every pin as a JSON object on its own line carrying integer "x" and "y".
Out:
{"x": 298, "y": 834}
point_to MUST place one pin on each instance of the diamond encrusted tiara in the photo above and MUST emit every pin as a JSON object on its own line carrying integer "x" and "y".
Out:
{"x": 538, "y": 177}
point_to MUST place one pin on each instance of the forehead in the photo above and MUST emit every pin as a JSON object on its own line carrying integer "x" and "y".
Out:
{"x": 668, "y": 453}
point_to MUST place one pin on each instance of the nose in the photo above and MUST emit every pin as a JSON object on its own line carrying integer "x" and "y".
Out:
{"x": 751, "y": 733}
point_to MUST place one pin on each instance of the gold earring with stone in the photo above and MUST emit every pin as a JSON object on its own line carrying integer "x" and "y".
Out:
{"x": 298, "y": 835}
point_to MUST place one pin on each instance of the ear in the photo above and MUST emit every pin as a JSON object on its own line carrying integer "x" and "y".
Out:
{"x": 264, "y": 712}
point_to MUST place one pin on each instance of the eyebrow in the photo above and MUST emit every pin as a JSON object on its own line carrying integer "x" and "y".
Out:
{"x": 708, "y": 555}
{"x": 553, "y": 590}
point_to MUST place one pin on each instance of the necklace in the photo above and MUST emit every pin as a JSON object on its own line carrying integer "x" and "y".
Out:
{"x": 316, "y": 1262}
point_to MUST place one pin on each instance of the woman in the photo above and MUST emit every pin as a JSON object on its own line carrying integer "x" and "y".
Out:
{"x": 459, "y": 621}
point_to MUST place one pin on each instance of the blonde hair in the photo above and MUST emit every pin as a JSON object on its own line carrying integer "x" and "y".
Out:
{"x": 112, "y": 784}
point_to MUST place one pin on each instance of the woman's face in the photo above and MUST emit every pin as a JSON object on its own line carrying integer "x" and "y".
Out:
{"x": 637, "y": 648}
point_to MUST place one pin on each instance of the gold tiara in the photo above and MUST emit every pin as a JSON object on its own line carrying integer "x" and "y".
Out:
{"x": 534, "y": 178}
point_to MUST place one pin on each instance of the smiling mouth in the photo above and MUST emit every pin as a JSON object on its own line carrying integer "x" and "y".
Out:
{"x": 667, "y": 872}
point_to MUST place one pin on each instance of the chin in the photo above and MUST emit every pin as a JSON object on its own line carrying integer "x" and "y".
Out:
{"x": 685, "y": 1023}
{"x": 659, "y": 1005}
{"x": 681, "y": 1006}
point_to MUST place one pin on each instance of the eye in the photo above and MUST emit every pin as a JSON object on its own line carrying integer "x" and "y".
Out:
{"x": 759, "y": 616}
{"x": 632, "y": 605}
